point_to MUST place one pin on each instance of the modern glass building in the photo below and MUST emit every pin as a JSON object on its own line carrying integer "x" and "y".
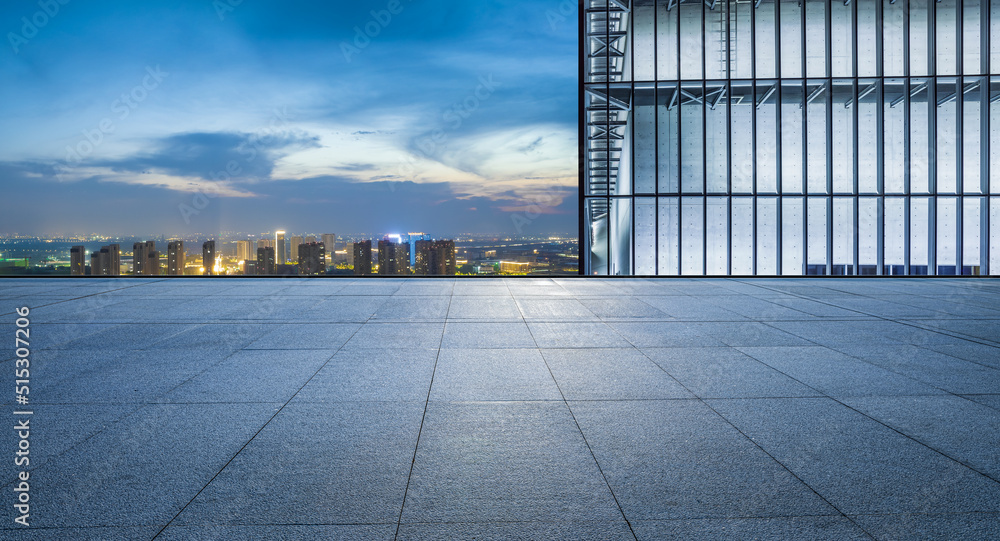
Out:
{"x": 764, "y": 137}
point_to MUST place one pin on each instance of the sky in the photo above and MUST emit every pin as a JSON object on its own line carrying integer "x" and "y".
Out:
{"x": 205, "y": 116}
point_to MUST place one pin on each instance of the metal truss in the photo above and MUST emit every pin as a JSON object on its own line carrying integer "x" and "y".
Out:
{"x": 605, "y": 28}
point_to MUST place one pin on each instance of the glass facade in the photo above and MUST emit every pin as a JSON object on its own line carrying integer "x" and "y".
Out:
{"x": 774, "y": 137}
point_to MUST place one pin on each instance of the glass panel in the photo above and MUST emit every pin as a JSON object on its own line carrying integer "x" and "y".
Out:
{"x": 767, "y": 236}
{"x": 692, "y": 138}
{"x": 868, "y": 228}
{"x": 669, "y": 119}
{"x": 741, "y": 36}
{"x": 972, "y": 130}
{"x": 625, "y": 44}
{"x": 791, "y": 236}
{"x": 666, "y": 44}
{"x": 842, "y": 30}
{"x": 947, "y": 233}
{"x": 742, "y": 137}
{"x": 742, "y": 230}
{"x": 717, "y": 237}
{"x": 920, "y": 36}
{"x": 717, "y": 133}
{"x": 893, "y": 39}
{"x": 995, "y": 135}
{"x": 597, "y": 143}
{"x": 764, "y": 25}
{"x": 919, "y": 136}
{"x": 894, "y": 139}
{"x": 971, "y": 36}
{"x": 817, "y": 236}
{"x": 644, "y": 138}
{"x": 843, "y": 137}
{"x": 947, "y": 37}
{"x": 920, "y": 228}
{"x": 692, "y": 234}
{"x": 818, "y": 97}
{"x": 994, "y": 236}
{"x": 767, "y": 137}
{"x": 971, "y": 230}
{"x": 643, "y": 36}
{"x": 843, "y": 236}
{"x": 645, "y": 236}
{"x": 791, "y": 39}
{"x": 621, "y": 238}
{"x": 691, "y": 40}
{"x": 816, "y": 38}
{"x": 621, "y": 179}
{"x": 669, "y": 249}
{"x": 597, "y": 233}
{"x": 792, "y": 154}
{"x": 868, "y": 129}
{"x": 867, "y": 39}
{"x": 947, "y": 135}
{"x": 995, "y": 36}
{"x": 895, "y": 235}
{"x": 717, "y": 44}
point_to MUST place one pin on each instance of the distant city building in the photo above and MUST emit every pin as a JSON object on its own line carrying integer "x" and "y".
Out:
{"x": 175, "y": 258}
{"x": 514, "y": 267}
{"x": 152, "y": 265}
{"x": 265, "y": 261}
{"x": 249, "y": 267}
{"x": 96, "y": 266}
{"x": 330, "y": 243}
{"x": 309, "y": 240}
{"x": 436, "y": 258}
{"x": 363, "y": 258}
{"x": 279, "y": 247}
{"x": 412, "y": 239}
{"x": 78, "y": 260}
{"x": 293, "y": 248}
{"x": 312, "y": 258}
{"x": 393, "y": 258}
{"x": 114, "y": 259}
{"x": 265, "y": 243}
{"x": 142, "y": 254}
{"x": 208, "y": 257}
{"x": 243, "y": 250}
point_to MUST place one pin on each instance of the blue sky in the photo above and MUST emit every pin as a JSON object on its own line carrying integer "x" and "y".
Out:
{"x": 447, "y": 116}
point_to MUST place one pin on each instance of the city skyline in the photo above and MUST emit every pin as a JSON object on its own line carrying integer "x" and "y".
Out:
{"x": 212, "y": 117}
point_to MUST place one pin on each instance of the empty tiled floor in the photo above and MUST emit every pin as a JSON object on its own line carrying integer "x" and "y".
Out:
{"x": 509, "y": 409}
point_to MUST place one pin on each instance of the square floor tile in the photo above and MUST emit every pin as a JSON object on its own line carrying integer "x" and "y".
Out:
{"x": 505, "y": 461}
{"x": 677, "y": 459}
{"x": 492, "y": 335}
{"x": 610, "y": 374}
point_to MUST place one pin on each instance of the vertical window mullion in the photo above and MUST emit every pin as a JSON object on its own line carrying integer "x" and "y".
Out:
{"x": 906, "y": 172}
{"x": 880, "y": 168}
{"x": 960, "y": 165}
{"x": 630, "y": 44}
{"x": 854, "y": 118}
{"x": 932, "y": 174}
{"x": 729, "y": 141}
{"x": 779, "y": 190}
{"x": 804, "y": 181}
{"x": 704, "y": 140}
{"x": 607, "y": 105}
{"x": 656, "y": 142}
{"x": 753, "y": 137}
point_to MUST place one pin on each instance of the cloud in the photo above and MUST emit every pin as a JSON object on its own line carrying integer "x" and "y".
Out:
{"x": 345, "y": 153}
{"x": 213, "y": 156}
{"x": 533, "y": 146}
{"x": 357, "y": 167}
